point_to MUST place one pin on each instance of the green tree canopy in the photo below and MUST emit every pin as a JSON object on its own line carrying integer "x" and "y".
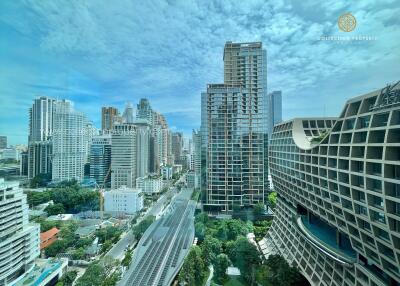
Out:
{"x": 246, "y": 258}
{"x": 211, "y": 247}
{"x": 193, "y": 268}
{"x": 139, "y": 229}
{"x": 220, "y": 266}
{"x": 280, "y": 273}
{"x": 55, "y": 209}
{"x": 272, "y": 199}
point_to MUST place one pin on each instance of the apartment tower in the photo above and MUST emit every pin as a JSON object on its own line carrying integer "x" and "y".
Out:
{"x": 19, "y": 239}
{"x": 108, "y": 116}
{"x": 40, "y": 136}
{"x": 69, "y": 142}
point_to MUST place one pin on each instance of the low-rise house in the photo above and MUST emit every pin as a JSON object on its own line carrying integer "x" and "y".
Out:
{"x": 61, "y": 217}
{"x": 85, "y": 231}
{"x": 48, "y": 237}
{"x": 150, "y": 184}
{"x": 123, "y": 200}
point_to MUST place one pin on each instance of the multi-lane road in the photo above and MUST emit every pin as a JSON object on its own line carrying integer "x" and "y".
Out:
{"x": 118, "y": 250}
{"x": 163, "y": 247}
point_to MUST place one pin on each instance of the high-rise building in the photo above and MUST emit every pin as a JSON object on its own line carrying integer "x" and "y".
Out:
{"x": 90, "y": 131}
{"x": 3, "y": 142}
{"x": 108, "y": 115}
{"x": 142, "y": 147}
{"x": 40, "y": 158}
{"x": 23, "y": 170}
{"x": 127, "y": 116}
{"x": 275, "y": 110}
{"x": 196, "y": 137}
{"x": 129, "y": 153}
{"x": 236, "y": 130}
{"x": 40, "y": 136}
{"x": 19, "y": 239}
{"x": 338, "y": 211}
{"x": 100, "y": 159}
{"x": 176, "y": 145}
{"x": 41, "y": 119}
{"x": 144, "y": 111}
{"x": 123, "y": 156}
{"x": 69, "y": 142}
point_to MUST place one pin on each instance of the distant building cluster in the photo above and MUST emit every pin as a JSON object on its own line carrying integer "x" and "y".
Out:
{"x": 64, "y": 145}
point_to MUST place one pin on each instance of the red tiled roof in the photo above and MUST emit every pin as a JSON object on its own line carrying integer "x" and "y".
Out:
{"x": 49, "y": 234}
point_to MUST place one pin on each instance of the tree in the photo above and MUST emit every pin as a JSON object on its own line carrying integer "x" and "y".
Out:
{"x": 210, "y": 247}
{"x": 40, "y": 180}
{"x": 59, "y": 246}
{"x": 258, "y": 210}
{"x": 280, "y": 273}
{"x": 69, "y": 277}
{"x": 235, "y": 228}
{"x": 106, "y": 246}
{"x": 220, "y": 266}
{"x": 222, "y": 232}
{"x": 246, "y": 258}
{"x": 127, "y": 259}
{"x": 37, "y": 198}
{"x": 193, "y": 268}
{"x": 93, "y": 276}
{"x": 78, "y": 254}
{"x": 272, "y": 199}
{"x": 202, "y": 217}
{"x": 46, "y": 225}
{"x": 55, "y": 209}
{"x": 200, "y": 230}
{"x": 138, "y": 230}
{"x": 109, "y": 233}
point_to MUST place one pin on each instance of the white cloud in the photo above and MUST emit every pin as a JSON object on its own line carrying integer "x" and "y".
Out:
{"x": 169, "y": 51}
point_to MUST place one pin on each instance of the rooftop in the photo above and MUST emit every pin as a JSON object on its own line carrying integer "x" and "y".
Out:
{"x": 49, "y": 234}
{"x": 42, "y": 270}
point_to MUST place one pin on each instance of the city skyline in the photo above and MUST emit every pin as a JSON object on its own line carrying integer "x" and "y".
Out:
{"x": 99, "y": 63}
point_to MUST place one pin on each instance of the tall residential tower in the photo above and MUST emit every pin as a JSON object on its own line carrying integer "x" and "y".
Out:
{"x": 235, "y": 129}
{"x": 69, "y": 142}
{"x": 108, "y": 116}
{"x": 19, "y": 239}
{"x": 275, "y": 110}
{"x": 40, "y": 136}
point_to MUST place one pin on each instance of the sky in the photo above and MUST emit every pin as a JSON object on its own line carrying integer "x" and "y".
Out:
{"x": 106, "y": 53}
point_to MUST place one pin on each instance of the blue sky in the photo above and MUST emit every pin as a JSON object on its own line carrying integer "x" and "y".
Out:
{"x": 109, "y": 52}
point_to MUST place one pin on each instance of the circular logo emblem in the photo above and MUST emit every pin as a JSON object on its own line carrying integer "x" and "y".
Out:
{"x": 347, "y": 22}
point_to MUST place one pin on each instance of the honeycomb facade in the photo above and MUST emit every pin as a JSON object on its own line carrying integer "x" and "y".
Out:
{"x": 338, "y": 185}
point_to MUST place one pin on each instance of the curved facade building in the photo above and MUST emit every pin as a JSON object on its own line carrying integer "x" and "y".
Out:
{"x": 338, "y": 184}
{"x": 19, "y": 239}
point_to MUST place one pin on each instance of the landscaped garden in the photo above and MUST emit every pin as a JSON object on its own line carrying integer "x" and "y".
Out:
{"x": 223, "y": 244}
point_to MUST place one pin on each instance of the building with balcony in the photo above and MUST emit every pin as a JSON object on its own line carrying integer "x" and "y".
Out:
{"x": 234, "y": 130}
{"x": 338, "y": 183}
{"x": 69, "y": 142}
{"x": 19, "y": 239}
